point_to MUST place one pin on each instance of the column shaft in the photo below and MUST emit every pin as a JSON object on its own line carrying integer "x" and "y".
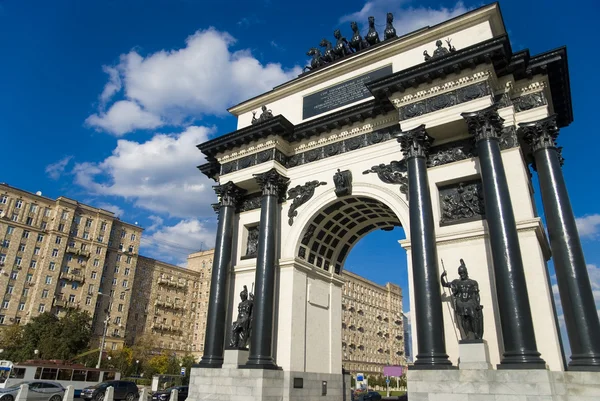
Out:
{"x": 577, "y": 298}
{"x": 520, "y": 348}
{"x": 214, "y": 342}
{"x": 261, "y": 339}
{"x": 428, "y": 302}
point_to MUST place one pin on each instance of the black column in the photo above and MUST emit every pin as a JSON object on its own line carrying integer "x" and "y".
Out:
{"x": 576, "y": 297}
{"x": 214, "y": 342}
{"x": 520, "y": 348}
{"x": 273, "y": 186}
{"x": 428, "y": 301}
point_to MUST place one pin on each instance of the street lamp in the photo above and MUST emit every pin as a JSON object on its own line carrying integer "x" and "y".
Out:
{"x": 105, "y": 330}
{"x": 36, "y": 352}
{"x": 137, "y": 365}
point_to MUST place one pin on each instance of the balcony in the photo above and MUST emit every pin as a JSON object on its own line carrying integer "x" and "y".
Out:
{"x": 168, "y": 305}
{"x": 72, "y": 277}
{"x": 78, "y": 252}
{"x": 171, "y": 283}
{"x": 165, "y": 328}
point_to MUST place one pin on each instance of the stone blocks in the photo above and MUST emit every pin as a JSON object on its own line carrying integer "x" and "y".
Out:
{"x": 473, "y": 355}
{"x": 502, "y": 385}
{"x": 233, "y": 384}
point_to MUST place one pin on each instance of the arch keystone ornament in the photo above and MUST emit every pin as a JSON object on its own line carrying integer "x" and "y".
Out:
{"x": 574, "y": 287}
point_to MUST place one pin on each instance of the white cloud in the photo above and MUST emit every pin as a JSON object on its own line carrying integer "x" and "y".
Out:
{"x": 588, "y": 226}
{"x": 123, "y": 116}
{"x": 159, "y": 175}
{"x": 173, "y": 86}
{"x": 111, "y": 208}
{"x": 157, "y": 221}
{"x": 174, "y": 243}
{"x": 406, "y": 17}
{"x": 55, "y": 170}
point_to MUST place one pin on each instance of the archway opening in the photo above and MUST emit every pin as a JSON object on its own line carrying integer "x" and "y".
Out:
{"x": 373, "y": 324}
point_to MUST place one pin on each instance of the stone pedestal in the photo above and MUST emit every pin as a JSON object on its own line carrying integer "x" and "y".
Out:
{"x": 234, "y": 358}
{"x": 473, "y": 355}
{"x": 234, "y": 384}
{"x": 502, "y": 385}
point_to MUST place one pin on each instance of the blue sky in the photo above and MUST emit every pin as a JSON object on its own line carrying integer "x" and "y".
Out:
{"x": 104, "y": 101}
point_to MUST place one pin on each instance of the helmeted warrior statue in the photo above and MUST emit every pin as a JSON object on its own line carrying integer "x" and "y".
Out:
{"x": 242, "y": 327}
{"x": 467, "y": 305}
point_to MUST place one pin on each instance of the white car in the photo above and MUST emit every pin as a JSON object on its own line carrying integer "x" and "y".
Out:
{"x": 39, "y": 390}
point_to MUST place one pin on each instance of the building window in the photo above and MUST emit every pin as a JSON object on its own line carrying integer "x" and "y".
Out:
{"x": 48, "y": 279}
{"x": 122, "y": 296}
{"x": 10, "y": 230}
{"x": 74, "y": 285}
{"x": 131, "y": 248}
{"x": 44, "y": 293}
{"x": 21, "y": 247}
{"x": 25, "y": 234}
{"x": 58, "y": 240}
{"x": 2, "y": 258}
{"x": 101, "y": 238}
{"x": 127, "y": 271}
{"x": 96, "y": 263}
{"x": 5, "y": 243}
{"x": 123, "y": 233}
{"x": 33, "y": 264}
{"x": 116, "y": 269}
{"x": 47, "y": 212}
{"x": 98, "y": 250}
{"x": 29, "y": 221}
{"x": 36, "y": 250}
{"x": 18, "y": 320}
{"x": 69, "y": 258}
{"x": 86, "y": 235}
{"x": 71, "y": 298}
{"x": 120, "y": 308}
{"x": 1, "y": 319}
{"x": 103, "y": 226}
{"x": 64, "y": 215}
{"x": 52, "y": 266}
{"x": 88, "y": 223}
{"x": 84, "y": 247}
{"x": 19, "y": 203}
{"x": 55, "y": 252}
{"x": 77, "y": 219}
{"x": 15, "y": 217}
{"x": 114, "y": 282}
{"x": 118, "y": 258}
{"x": 33, "y": 208}
{"x": 3, "y": 199}
{"x": 74, "y": 232}
{"x": 25, "y": 292}
{"x": 61, "y": 227}
{"x": 5, "y": 304}
{"x": 22, "y": 306}
{"x": 118, "y": 320}
{"x": 91, "y": 289}
{"x": 94, "y": 275}
{"x": 18, "y": 261}
{"x": 62, "y": 284}
{"x": 128, "y": 260}
{"x": 133, "y": 237}
{"x": 44, "y": 225}
{"x": 9, "y": 289}
{"x": 125, "y": 284}
{"x": 41, "y": 308}
{"x": 14, "y": 275}
{"x": 121, "y": 246}
{"x": 88, "y": 301}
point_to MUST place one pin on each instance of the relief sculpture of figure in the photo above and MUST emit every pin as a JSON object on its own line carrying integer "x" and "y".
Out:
{"x": 467, "y": 305}
{"x": 242, "y": 327}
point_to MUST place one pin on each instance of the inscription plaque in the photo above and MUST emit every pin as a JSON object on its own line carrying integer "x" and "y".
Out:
{"x": 341, "y": 94}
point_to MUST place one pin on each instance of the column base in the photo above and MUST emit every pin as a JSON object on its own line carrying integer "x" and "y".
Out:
{"x": 584, "y": 363}
{"x": 210, "y": 362}
{"x": 522, "y": 360}
{"x": 521, "y": 366}
{"x": 432, "y": 361}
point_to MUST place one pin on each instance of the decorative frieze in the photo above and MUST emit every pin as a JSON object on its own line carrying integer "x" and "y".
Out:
{"x": 250, "y": 202}
{"x": 253, "y": 160}
{"x": 444, "y": 100}
{"x": 393, "y": 173}
{"x": 252, "y": 242}
{"x": 529, "y": 101}
{"x": 462, "y": 202}
{"x": 299, "y": 195}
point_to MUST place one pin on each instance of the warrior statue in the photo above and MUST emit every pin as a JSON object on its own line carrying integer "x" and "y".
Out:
{"x": 467, "y": 305}
{"x": 265, "y": 115}
{"x": 242, "y": 327}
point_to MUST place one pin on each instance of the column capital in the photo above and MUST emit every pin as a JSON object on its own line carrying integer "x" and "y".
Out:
{"x": 415, "y": 142}
{"x": 485, "y": 123}
{"x": 272, "y": 183}
{"x": 540, "y": 134}
{"x": 229, "y": 194}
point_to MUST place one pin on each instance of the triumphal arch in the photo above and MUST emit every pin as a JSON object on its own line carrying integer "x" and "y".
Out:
{"x": 434, "y": 131}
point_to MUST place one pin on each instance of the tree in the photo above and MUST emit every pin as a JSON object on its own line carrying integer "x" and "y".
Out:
{"x": 122, "y": 360}
{"x": 186, "y": 362}
{"x": 11, "y": 341}
{"x": 158, "y": 364}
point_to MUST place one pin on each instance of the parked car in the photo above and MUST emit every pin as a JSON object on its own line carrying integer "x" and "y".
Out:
{"x": 369, "y": 396}
{"x": 166, "y": 394}
{"x": 123, "y": 390}
{"x": 38, "y": 390}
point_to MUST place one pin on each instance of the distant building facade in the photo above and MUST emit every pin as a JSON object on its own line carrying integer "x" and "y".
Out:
{"x": 169, "y": 303}
{"x": 372, "y": 326}
{"x": 407, "y": 339}
{"x": 57, "y": 254}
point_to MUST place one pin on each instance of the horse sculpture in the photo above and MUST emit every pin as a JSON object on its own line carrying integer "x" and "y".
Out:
{"x": 341, "y": 48}
{"x": 329, "y": 54}
{"x": 390, "y": 31}
{"x": 317, "y": 59}
{"x": 357, "y": 43}
{"x": 372, "y": 36}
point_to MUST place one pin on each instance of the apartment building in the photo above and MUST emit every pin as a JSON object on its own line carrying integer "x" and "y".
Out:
{"x": 59, "y": 253}
{"x": 372, "y": 326}
{"x": 170, "y": 303}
